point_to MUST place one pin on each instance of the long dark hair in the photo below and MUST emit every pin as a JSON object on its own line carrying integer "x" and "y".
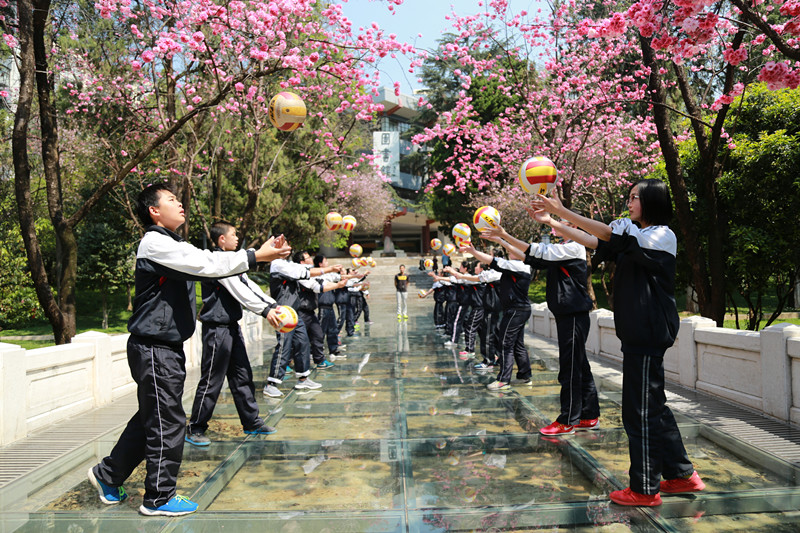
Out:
{"x": 655, "y": 200}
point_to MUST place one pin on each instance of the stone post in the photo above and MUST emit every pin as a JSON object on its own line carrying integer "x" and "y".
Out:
{"x": 687, "y": 348}
{"x": 102, "y": 381}
{"x": 776, "y": 370}
{"x": 13, "y": 410}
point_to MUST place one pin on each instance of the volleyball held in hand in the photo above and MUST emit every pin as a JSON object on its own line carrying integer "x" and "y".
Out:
{"x": 287, "y": 317}
{"x": 461, "y": 233}
{"x": 537, "y": 175}
{"x": 349, "y": 222}
{"x": 436, "y": 244}
{"x": 422, "y": 293}
{"x": 448, "y": 249}
{"x": 356, "y": 250}
{"x": 333, "y": 221}
{"x": 486, "y": 218}
{"x": 287, "y": 111}
{"x": 429, "y": 263}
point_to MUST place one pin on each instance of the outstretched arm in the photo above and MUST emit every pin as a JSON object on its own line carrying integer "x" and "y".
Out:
{"x": 563, "y": 230}
{"x": 553, "y": 205}
{"x": 501, "y": 233}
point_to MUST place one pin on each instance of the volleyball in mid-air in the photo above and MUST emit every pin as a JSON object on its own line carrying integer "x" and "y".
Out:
{"x": 363, "y": 261}
{"x": 356, "y": 262}
{"x": 486, "y": 218}
{"x": 537, "y": 175}
{"x": 436, "y": 244}
{"x": 422, "y": 293}
{"x": 287, "y": 111}
{"x": 287, "y": 317}
{"x": 429, "y": 263}
{"x": 371, "y": 262}
{"x": 356, "y": 250}
{"x": 333, "y": 221}
{"x": 448, "y": 249}
{"x": 461, "y": 233}
{"x": 348, "y": 222}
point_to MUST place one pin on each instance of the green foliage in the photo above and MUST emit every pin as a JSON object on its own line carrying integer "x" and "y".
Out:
{"x": 760, "y": 193}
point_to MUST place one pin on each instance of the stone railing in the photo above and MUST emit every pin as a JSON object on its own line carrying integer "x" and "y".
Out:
{"x": 760, "y": 370}
{"x": 46, "y": 385}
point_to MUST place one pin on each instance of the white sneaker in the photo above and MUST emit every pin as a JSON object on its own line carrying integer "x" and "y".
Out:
{"x": 307, "y": 384}
{"x": 272, "y": 391}
{"x": 449, "y": 343}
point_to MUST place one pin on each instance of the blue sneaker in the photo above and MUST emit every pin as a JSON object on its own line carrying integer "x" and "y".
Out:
{"x": 108, "y": 495}
{"x": 196, "y": 439}
{"x": 289, "y": 371}
{"x": 325, "y": 364}
{"x": 177, "y": 506}
{"x": 261, "y": 430}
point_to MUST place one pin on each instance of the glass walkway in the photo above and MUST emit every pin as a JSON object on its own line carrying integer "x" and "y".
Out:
{"x": 404, "y": 437}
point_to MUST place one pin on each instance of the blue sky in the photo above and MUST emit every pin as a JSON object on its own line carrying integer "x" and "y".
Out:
{"x": 414, "y": 17}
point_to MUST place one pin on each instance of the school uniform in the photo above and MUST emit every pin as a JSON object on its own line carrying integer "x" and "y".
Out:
{"x": 646, "y": 322}
{"x": 514, "y": 282}
{"x": 438, "y": 305}
{"x": 342, "y": 304}
{"x": 473, "y": 316}
{"x": 462, "y": 307}
{"x": 307, "y": 311}
{"x": 327, "y": 316}
{"x": 450, "y": 305}
{"x": 164, "y": 313}
{"x": 224, "y": 350}
{"x": 569, "y": 301}
{"x": 284, "y": 288}
{"x": 492, "y": 312}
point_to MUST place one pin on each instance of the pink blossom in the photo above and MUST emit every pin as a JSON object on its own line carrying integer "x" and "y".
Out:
{"x": 148, "y": 56}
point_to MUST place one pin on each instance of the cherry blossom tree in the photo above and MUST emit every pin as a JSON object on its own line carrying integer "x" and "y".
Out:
{"x": 144, "y": 70}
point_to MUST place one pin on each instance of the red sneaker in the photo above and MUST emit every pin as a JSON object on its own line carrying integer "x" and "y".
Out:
{"x": 557, "y": 428}
{"x": 692, "y": 483}
{"x": 629, "y": 497}
{"x": 592, "y": 423}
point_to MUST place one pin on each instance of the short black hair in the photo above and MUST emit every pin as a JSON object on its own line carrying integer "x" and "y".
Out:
{"x": 149, "y": 197}
{"x": 499, "y": 252}
{"x": 218, "y": 229}
{"x": 655, "y": 200}
{"x": 318, "y": 259}
{"x": 297, "y": 257}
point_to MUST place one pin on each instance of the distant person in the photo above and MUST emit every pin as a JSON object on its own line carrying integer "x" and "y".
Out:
{"x": 401, "y": 288}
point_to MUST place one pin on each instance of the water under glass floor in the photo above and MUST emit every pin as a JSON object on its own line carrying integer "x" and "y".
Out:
{"x": 404, "y": 436}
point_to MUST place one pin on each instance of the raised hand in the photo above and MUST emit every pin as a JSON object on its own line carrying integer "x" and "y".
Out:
{"x": 274, "y": 248}
{"x": 551, "y": 204}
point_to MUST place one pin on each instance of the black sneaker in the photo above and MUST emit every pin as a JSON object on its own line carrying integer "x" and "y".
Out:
{"x": 261, "y": 430}
{"x": 197, "y": 439}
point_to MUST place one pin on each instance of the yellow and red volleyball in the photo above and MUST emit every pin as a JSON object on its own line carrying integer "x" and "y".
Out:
{"x": 461, "y": 233}
{"x": 349, "y": 222}
{"x": 422, "y": 293}
{"x": 486, "y": 218}
{"x": 333, "y": 221}
{"x": 537, "y": 175}
{"x": 429, "y": 263}
{"x": 356, "y": 250}
{"x": 436, "y": 244}
{"x": 287, "y": 111}
{"x": 287, "y": 317}
{"x": 448, "y": 249}
{"x": 371, "y": 262}
{"x": 356, "y": 262}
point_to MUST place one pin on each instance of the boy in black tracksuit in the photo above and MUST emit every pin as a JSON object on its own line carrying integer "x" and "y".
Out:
{"x": 569, "y": 301}
{"x": 514, "y": 283}
{"x": 163, "y": 318}
{"x": 326, "y": 314}
{"x": 492, "y": 312}
{"x": 224, "y": 351}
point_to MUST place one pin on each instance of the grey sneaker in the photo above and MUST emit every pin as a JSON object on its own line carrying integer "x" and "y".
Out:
{"x": 498, "y": 385}
{"x": 272, "y": 391}
{"x": 307, "y": 384}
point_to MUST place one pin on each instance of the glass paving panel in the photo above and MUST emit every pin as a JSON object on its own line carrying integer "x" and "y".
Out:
{"x": 404, "y": 437}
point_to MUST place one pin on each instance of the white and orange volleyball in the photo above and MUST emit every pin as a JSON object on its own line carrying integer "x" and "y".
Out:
{"x": 356, "y": 262}
{"x": 363, "y": 261}
{"x": 448, "y": 249}
{"x": 486, "y": 218}
{"x": 371, "y": 262}
{"x": 287, "y": 317}
{"x": 429, "y": 263}
{"x": 333, "y": 221}
{"x": 422, "y": 293}
{"x": 537, "y": 175}
{"x": 436, "y": 244}
{"x": 287, "y": 111}
{"x": 356, "y": 250}
{"x": 348, "y": 222}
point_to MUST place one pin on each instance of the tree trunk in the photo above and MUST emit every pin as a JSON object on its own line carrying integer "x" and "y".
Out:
{"x": 22, "y": 171}
{"x": 708, "y": 299}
